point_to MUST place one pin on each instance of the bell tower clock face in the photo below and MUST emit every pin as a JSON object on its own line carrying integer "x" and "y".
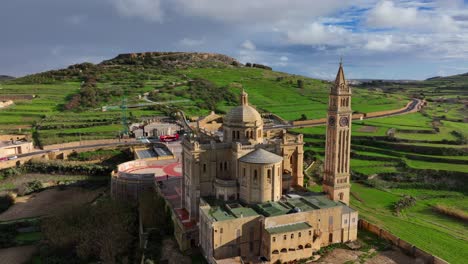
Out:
{"x": 331, "y": 121}
{"x": 344, "y": 121}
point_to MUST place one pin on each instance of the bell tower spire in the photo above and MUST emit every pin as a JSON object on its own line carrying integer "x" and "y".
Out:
{"x": 338, "y": 140}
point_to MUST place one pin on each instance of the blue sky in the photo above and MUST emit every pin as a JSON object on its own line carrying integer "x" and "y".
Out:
{"x": 407, "y": 39}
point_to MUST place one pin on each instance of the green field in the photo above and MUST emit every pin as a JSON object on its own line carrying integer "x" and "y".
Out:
{"x": 439, "y": 234}
{"x": 267, "y": 89}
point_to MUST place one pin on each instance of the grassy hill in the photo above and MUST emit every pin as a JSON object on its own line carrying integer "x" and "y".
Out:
{"x": 68, "y": 102}
{"x": 6, "y": 78}
{"x": 426, "y": 157}
{"x": 423, "y": 154}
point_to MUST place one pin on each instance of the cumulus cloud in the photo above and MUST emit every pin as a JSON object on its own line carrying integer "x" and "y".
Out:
{"x": 316, "y": 33}
{"x": 260, "y": 11}
{"x": 150, "y": 10}
{"x": 248, "y": 45}
{"x": 387, "y": 15}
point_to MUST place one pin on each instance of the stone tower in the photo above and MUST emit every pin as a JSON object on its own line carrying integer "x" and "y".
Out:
{"x": 338, "y": 141}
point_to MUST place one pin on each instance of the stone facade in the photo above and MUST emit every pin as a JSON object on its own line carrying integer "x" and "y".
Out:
{"x": 338, "y": 144}
{"x": 243, "y": 188}
{"x": 215, "y": 168}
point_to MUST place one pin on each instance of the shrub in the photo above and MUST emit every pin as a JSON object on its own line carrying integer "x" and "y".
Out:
{"x": 5, "y": 202}
{"x": 404, "y": 203}
{"x": 30, "y": 187}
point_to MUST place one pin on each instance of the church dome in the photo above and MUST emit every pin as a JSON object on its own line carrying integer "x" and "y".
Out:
{"x": 243, "y": 113}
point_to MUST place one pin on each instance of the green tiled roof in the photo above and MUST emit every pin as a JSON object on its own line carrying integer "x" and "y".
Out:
{"x": 220, "y": 215}
{"x": 243, "y": 212}
{"x": 288, "y": 228}
{"x": 272, "y": 208}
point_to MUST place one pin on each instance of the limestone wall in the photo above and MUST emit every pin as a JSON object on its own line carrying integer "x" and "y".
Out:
{"x": 86, "y": 142}
{"x": 407, "y": 247}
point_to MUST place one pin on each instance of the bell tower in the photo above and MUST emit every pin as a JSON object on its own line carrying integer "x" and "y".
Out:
{"x": 338, "y": 141}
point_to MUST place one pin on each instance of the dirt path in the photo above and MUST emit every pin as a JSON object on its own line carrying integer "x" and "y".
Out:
{"x": 17, "y": 255}
{"x": 49, "y": 201}
{"x": 340, "y": 255}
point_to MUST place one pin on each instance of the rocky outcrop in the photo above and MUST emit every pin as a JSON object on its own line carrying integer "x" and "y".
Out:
{"x": 173, "y": 59}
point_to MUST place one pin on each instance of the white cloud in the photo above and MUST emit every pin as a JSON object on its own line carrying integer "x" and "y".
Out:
{"x": 188, "y": 42}
{"x": 387, "y": 15}
{"x": 316, "y": 33}
{"x": 284, "y": 58}
{"x": 150, "y": 10}
{"x": 260, "y": 11}
{"x": 248, "y": 45}
{"x": 380, "y": 43}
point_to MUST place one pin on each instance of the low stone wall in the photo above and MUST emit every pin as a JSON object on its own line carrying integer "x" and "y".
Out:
{"x": 14, "y": 137}
{"x": 407, "y": 247}
{"x": 388, "y": 112}
{"x": 86, "y": 142}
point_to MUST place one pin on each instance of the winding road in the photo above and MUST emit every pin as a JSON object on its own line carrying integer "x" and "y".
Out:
{"x": 412, "y": 107}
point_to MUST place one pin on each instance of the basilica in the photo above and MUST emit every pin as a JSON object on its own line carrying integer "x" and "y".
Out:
{"x": 242, "y": 194}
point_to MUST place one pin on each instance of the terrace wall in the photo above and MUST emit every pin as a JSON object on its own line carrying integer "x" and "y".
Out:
{"x": 407, "y": 247}
{"x": 86, "y": 142}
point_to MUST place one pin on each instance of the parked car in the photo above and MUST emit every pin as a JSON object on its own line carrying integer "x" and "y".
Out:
{"x": 12, "y": 157}
{"x": 3, "y": 158}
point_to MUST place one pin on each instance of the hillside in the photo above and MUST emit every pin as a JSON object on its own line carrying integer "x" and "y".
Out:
{"x": 6, "y": 78}
{"x": 71, "y": 99}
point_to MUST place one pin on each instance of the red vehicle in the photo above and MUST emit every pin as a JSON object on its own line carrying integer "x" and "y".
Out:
{"x": 3, "y": 158}
{"x": 169, "y": 138}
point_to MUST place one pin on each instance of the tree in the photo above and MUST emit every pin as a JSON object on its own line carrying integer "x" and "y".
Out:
{"x": 105, "y": 231}
{"x": 300, "y": 83}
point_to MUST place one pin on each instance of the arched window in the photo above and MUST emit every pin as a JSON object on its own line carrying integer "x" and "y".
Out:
{"x": 255, "y": 178}
{"x": 300, "y": 247}
{"x": 225, "y": 166}
{"x": 308, "y": 245}
{"x": 283, "y": 250}
{"x": 341, "y": 196}
{"x": 269, "y": 175}
{"x": 204, "y": 167}
{"x": 233, "y": 134}
{"x": 292, "y": 236}
{"x": 275, "y": 252}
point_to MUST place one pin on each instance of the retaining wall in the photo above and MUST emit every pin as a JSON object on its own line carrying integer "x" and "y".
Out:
{"x": 86, "y": 142}
{"x": 407, "y": 247}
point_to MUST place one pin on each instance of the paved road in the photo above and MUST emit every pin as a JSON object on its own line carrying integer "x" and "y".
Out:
{"x": 411, "y": 107}
{"x": 39, "y": 152}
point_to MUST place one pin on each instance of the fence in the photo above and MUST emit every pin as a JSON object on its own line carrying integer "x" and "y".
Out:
{"x": 407, "y": 247}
